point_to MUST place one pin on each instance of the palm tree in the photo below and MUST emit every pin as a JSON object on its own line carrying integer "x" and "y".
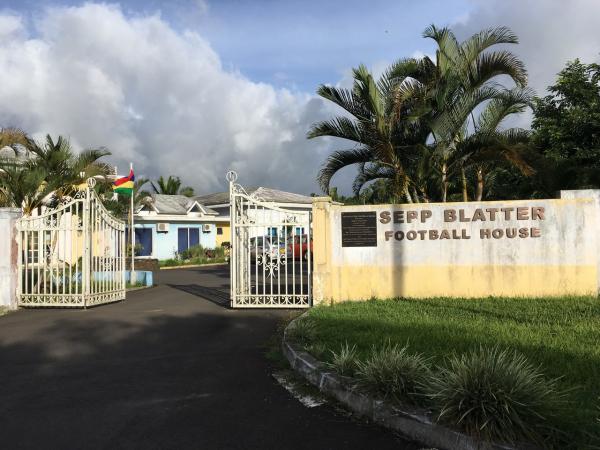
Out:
{"x": 51, "y": 172}
{"x": 171, "y": 186}
{"x": 453, "y": 90}
{"x": 418, "y": 123}
{"x": 67, "y": 169}
{"x": 383, "y": 145}
{"x": 25, "y": 187}
{"x": 15, "y": 138}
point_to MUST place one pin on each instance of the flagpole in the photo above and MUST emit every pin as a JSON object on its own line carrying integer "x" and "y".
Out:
{"x": 132, "y": 279}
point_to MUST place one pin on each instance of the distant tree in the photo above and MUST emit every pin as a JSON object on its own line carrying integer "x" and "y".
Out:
{"x": 566, "y": 126}
{"x": 171, "y": 186}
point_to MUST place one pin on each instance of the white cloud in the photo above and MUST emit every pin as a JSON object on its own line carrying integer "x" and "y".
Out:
{"x": 154, "y": 96}
{"x": 551, "y": 32}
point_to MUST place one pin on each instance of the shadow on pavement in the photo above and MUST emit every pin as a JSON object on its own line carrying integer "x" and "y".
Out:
{"x": 216, "y": 296}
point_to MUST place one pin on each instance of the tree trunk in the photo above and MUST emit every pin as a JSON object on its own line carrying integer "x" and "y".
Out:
{"x": 479, "y": 184}
{"x": 416, "y": 195}
{"x": 407, "y": 195}
{"x": 444, "y": 182}
{"x": 464, "y": 185}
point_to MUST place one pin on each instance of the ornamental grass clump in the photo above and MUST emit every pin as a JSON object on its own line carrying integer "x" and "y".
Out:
{"x": 302, "y": 331}
{"x": 497, "y": 395}
{"x": 344, "y": 362}
{"x": 391, "y": 372}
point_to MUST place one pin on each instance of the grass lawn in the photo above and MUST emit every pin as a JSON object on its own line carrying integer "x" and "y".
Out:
{"x": 562, "y": 335}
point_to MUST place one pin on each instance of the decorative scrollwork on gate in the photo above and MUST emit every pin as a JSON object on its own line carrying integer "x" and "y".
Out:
{"x": 72, "y": 254}
{"x": 270, "y": 261}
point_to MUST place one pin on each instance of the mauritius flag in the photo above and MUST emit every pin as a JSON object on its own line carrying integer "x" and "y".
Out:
{"x": 124, "y": 185}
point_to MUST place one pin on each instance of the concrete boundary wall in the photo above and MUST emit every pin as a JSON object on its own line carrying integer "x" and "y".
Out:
{"x": 8, "y": 257}
{"x": 473, "y": 249}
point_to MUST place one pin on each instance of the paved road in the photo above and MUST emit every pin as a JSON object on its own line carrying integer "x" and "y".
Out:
{"x": 171, "y": 367}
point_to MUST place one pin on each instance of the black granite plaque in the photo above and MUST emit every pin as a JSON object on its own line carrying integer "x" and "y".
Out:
{"x": 359, "y": 229}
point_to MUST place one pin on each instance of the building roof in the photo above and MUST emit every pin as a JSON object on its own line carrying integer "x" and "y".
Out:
{"x": 177, "y": 204}
{"x": 266, "y": 194}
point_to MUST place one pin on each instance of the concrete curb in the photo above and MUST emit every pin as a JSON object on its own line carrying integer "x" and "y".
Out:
{"x": 194, "y": 266}
{"x": 415, "y": 424}
{"x": 138, "y": 288}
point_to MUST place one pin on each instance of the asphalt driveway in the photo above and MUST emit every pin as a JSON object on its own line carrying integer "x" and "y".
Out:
{"x": 171, "y": 367}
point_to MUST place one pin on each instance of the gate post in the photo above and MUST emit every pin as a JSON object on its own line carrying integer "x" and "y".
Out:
{"x": 10, "y": 257}
{"x": 232, "y": 177}
{"x": 85, "y": 270}
{"x": 321, "y": 210}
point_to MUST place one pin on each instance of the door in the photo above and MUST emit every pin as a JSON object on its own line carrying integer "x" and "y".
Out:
{"x": 182, "y": 240}
{"x": 143, "y": 237}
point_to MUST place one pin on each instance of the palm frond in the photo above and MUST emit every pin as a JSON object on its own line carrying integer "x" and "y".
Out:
{"x": 346, "y": 100}
{"x": 340, "y": 159}
{"x": 484, "y": 39}
{"x": 491, "y": 64}
{"x": 340, "y": 127}
{"x": 504, "y": 104}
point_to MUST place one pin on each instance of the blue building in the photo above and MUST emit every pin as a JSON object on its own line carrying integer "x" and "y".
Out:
{"x": 169, "y": 224}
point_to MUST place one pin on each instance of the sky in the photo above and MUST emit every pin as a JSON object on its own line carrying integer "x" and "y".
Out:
{"x": 194, "y": 88}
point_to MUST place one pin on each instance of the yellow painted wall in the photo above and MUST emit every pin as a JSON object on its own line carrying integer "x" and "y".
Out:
{"x": 226, "y": 236}
{"x": 563, "y": 261}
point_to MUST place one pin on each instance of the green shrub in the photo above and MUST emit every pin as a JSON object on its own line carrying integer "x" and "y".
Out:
{"x": 199, "y": 255}
{"x": 496, "y": 395}
{"x": 302, "y": 331}
{"x": 393, "y": 373}
{"x": 345, "y": 361}
{"x": 170, "y": 262}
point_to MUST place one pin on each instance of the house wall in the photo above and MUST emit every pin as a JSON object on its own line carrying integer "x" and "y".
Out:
{"x": 164, "y": 245}
{"x": 556, "y": 255}
{"x": 8, "y": 257}
{"x": 226, "y": 236}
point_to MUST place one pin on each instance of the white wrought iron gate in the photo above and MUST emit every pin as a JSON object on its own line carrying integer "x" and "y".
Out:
{"x": 72, "y": 255}
{"x": 271, "y": 252}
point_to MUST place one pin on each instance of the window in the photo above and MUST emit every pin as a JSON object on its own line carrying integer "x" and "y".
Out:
{"x": 187, "y": 237}
{"x": 219, "y": 230}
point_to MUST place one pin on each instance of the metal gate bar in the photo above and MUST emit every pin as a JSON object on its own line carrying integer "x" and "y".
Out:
{"x": 271, "y": 260}
{"x": 72, "y": 255}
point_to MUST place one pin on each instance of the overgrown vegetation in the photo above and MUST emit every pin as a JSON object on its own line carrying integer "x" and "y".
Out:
{"x": 501, "y": 368}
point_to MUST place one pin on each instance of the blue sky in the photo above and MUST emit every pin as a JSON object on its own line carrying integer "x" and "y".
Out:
{"x": 296, "y": 44}
{"x": 197, "y": 87}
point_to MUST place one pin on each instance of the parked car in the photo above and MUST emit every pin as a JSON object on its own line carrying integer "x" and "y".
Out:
{"x": 266, "y": 248}
{"x": 299, "y": 249}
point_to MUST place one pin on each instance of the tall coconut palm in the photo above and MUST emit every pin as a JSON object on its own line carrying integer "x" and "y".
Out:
{"x": 171, "y": 186}
{"x": 382, "y": 144}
